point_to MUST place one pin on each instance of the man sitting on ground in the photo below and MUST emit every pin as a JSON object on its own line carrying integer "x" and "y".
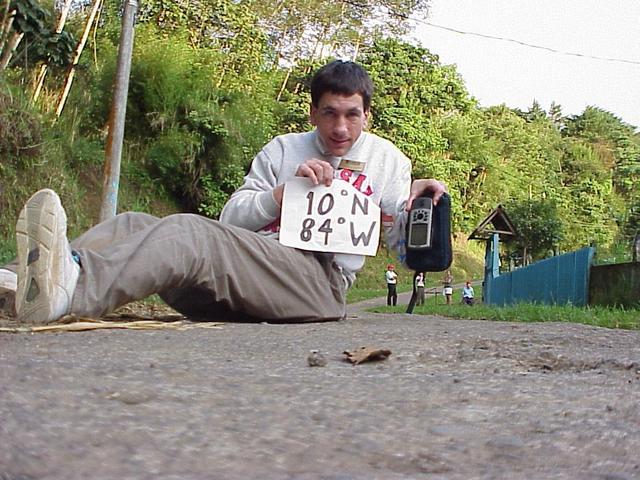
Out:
{"x": 467, "y": 294}
{"x": 202, "y": 267}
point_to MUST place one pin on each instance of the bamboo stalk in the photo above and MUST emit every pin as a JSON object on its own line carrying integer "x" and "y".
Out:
{"x": 95, "y": 34}
{"x": 7, "y": 22}
{"x": 76, "y": 58}
{"x": 357, "y": 50}
{"x": 9, "y": 48}
{"x": 43, "y": 69}
{"x": 8, "y": 42}
{"x": 284, "y": 83}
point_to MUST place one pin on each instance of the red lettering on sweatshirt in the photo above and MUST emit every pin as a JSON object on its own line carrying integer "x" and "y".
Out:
{"x": 273, "y": 227}
{"x": 346, "y": 174}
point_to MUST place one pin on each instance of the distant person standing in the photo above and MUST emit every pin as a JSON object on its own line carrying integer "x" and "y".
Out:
{"x": 392, "y": 279}
{"x": 467, "y": 294}
{"x": 447, "y": 286}
{"x": 420, "y": 288}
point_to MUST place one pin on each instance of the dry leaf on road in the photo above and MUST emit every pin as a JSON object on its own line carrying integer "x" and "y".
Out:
{"x": 367, "y": 354}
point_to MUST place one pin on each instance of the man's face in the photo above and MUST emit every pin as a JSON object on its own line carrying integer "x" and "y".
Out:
{"x": 340, "y": 120}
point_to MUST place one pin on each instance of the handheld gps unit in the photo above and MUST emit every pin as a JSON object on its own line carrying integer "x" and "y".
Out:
{"x": 429, "y": 235}
{"x": 419, "y": 235}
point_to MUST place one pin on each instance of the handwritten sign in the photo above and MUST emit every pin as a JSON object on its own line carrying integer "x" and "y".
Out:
{"x": 336, "y": 219}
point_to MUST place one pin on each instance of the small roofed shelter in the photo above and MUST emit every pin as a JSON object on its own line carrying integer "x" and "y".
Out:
{"x": 562, "y": 279}
{"x": 497, "y": 222}
{"x": 496, "y": 225}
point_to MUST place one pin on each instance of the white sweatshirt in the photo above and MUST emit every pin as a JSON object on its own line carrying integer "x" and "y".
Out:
{"x": 385, "y": 178}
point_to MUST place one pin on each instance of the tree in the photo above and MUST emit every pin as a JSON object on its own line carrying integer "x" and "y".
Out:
{"x": 526, "y": 163}
{"x": 534, "y": 113}
{"x": 616, "y": 141}
{"x": 28, "y": 36}
{"x": 617, "y": 148}
{"x": 539, "y": 228}
{"x": 228, "y": 26}
{"x": 196, "y": 138}
{"x": 415, "y": 97}
{"x": 472, "y": 160}
{"x": 555, "y": 115}
{"x": 314, "y": 29}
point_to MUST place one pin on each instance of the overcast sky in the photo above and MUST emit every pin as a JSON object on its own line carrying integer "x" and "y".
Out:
{"x": 498, "y": 72}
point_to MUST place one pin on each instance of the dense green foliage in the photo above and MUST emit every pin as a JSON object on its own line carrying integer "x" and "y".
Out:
{"x": 32, "y": 38}
{"x": 213, "y": 80}
{"x": 539, "y": 228}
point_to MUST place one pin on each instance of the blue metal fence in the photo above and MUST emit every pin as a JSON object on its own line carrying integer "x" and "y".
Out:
{"x": 557, "y": 280}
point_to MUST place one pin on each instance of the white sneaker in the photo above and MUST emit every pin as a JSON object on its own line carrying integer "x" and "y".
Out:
{"x": 8, "y": 285}
{"x": 47, "y": 272}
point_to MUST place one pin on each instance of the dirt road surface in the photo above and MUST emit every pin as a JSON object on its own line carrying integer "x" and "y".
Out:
{"x": 455, "y": 400}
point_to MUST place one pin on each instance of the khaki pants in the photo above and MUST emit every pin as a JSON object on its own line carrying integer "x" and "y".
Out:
{"x": 205, "y": 270}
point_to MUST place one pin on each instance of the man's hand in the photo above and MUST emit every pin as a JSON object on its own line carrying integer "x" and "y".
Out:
{"x": 418, "y": 187}
{"x": 319, "y": 171}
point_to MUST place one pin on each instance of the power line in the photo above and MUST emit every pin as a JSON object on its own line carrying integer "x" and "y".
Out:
{"x": 525, "y": 44}
{"x": 358, "y": 4}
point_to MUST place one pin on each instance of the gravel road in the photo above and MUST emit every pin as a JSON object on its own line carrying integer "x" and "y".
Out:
{"x": 456, "y": 399}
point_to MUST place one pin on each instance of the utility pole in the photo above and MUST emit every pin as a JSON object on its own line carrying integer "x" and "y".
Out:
{"x": 117, "y": 115}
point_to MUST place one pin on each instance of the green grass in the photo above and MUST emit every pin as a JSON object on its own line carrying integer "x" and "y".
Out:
{"x": 359, "y": 294}
{"x": 524, "y": 312}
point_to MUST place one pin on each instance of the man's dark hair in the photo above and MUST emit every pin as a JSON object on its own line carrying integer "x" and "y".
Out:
{"x": 344, "y": 78}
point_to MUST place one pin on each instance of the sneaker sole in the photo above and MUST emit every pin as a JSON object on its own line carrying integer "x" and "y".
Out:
{"x": 39, "y": 228}
{"x": 7, "y": 302}
{"x": 8, "y": 285}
